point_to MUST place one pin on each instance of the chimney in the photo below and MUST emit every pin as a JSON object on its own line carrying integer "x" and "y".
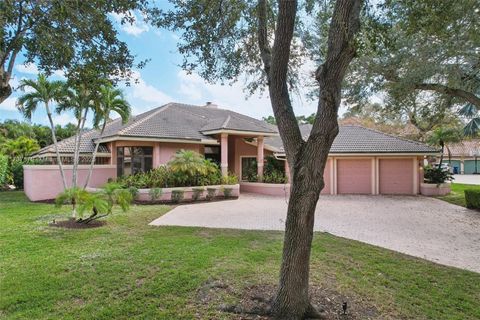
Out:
{"x": 211, "y": 105}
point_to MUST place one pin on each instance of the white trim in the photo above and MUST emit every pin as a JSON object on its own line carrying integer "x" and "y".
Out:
{"x": 83, "y": 154}
{"x": 68, "y": 166}
{"x": 123, "y": 138}
{"x": 240, "y": 132}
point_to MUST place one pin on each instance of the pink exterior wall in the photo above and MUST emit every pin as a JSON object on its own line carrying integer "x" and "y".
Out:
{"x": 44, "y": 182}
{"x": 396, "y": 176}
{"x": 354, "y": 176}
{"x": 243, "y": 149}
{"x": 326, "y": 178}
{"x": 168, "y": 150}
{"x": 269, "y": 189}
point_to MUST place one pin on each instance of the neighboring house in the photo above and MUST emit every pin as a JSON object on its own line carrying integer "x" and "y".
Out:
{"x": 362, "y": 161}
{"x": 464, "y": 156}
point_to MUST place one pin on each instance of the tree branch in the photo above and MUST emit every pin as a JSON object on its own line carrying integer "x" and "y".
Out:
{"x": 455, "y": 92}
{"x": 340, "y": 52}
{"x": 265, "y": 52}
{"x": 278, "y": 89}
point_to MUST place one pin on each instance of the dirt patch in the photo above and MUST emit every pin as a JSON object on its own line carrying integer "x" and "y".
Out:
{"x": 73, "y": 224}
{"x": 253, "y": 302}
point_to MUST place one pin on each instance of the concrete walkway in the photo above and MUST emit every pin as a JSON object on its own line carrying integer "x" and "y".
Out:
{"x": 423, "y": 227}
{"x": 467, "y": 178}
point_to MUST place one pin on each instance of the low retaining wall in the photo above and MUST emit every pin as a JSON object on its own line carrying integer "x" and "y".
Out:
{"x": 270, "y": 189}
{"x": 432, "y": 190}
{"x": 144, "y": 194}
{"x": 44, "y": 182}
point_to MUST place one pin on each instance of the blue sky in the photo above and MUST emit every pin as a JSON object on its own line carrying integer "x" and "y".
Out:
{"x": 161, "y": 81}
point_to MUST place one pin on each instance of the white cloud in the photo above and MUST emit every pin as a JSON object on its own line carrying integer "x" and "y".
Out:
{"x": 28, "y": 68}
{"x": 32, "y": 69}
{"x": 136, "y": 28}
{"x": 193, "y": 89}
{"x": 9, "y": 104}
{"x": 62, "y": 119}
{"x": 142, "y": 96}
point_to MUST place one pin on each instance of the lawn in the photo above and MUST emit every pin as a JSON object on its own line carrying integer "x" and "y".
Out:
{"x": 128, "y": 269}
{"x": 457, "y": 196}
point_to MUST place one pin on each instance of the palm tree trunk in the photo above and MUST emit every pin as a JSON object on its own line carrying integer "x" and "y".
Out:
{"x": 441, "y": 156}
{"x": 78, "y": 140}
{"x": 55, "y": 143}
{"x": 92, "y": 162}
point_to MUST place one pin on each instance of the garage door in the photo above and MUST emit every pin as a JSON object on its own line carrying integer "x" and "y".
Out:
{"x": 395, "y": 176}
{"x": 354, "y": 176}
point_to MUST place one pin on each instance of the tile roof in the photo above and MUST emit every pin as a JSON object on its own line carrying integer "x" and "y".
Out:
{"x": 465, "y": 148}
{"x": 356, "y": 139}
{"x": 170, "y": 121}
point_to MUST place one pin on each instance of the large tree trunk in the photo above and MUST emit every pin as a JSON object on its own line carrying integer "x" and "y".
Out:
{"x": 307, "y": 158}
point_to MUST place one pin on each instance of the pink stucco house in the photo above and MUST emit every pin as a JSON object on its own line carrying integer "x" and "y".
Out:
{"x": 362, "y": 161}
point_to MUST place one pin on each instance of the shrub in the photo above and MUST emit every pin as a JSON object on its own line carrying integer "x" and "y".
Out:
{"x": 437, "y": 175}
{"x": 472, "y": 198}
{"x": 177, "y": 196}
{"x": 211, "y": 193}
{"x": 133, "y": 191}
{"x": 227, "y": 192}
{"x": 16, "y": 170}
{"x": 155, "y": 193}
{"x": 197, "y": 193}
{"x": 230, "y": 179}
{"x": 275, "y": 177}
{"x": 3, "y": 170}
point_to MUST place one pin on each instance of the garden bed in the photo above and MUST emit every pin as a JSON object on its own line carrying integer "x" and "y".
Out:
{"x": 185, "y": 194}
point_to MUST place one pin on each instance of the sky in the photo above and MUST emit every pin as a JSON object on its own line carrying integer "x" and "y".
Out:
{"x": 160, "y": 81}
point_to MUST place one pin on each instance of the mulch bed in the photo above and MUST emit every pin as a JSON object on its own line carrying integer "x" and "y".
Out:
{"x": 73, "y": 224}
{"x": 254, "y": 301}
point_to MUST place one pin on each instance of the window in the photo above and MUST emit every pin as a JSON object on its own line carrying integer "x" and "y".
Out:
{"x": 132, "y": 160}
{"x": 213, "y": 153}
{"x": 249, "y": 169}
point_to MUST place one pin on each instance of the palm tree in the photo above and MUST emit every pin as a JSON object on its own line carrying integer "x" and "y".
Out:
{"x": 442, "y": 137}
{"x": 110, "y": 100}
{"x": 472, "y": 113}
{"x": 80, "y": 101}
{"x": 42, "y": 91}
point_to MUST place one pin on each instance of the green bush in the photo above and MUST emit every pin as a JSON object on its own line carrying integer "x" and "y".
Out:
{"x": 197, "y": 193}
{"x": 230, "y": 179}
{"x": 133, "y": 191}
{"x": 177, "y": 196}
{"x": 437, "y": 175}
{"x": 472, "y": 198}
{"x": 3, "y": 170}
{"x": 275, "y": 177}
{"x": 155, "y": 193}
{"x": 211, "y": 193}
{"x": 16, "y": 170}
{"x": 227, "y": 192}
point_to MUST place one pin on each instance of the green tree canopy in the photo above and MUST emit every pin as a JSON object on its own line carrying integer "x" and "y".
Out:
{"x": 77, "y": 37}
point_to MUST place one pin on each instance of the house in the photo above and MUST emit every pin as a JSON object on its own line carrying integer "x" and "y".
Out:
{"x": 464, "y": 157}
{"x": 362, "y": 161}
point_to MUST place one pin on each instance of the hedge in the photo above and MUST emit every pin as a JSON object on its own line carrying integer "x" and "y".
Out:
{"x": 3, "y": 170}
{"x": 472, "y": 198}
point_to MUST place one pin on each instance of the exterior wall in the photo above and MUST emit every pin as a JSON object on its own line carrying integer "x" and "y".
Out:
{"x": 354, "y": 176}
{"x": 269, "y": 189}
{"x": 327, "y": 177}
{"x": 243, "y": 149}
{"x": 44, "y": 182}
{"x": 396, "y": 176}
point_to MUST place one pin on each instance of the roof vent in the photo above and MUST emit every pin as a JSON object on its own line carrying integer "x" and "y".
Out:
{"x": 211, "y": 105}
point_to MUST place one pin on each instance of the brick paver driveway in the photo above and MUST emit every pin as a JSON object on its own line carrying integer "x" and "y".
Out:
{"x": 419, "y": 226}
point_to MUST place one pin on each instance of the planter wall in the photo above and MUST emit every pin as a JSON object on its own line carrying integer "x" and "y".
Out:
{"x": 432, "y": 190}
{"x": 269, "y": 189}
{"x": 144, "y": 194}
{"x": 44, "y": 182}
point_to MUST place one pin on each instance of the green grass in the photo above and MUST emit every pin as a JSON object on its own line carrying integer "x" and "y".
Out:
{"x": 128, "y": 269}
{"x": 457, "y": 196}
